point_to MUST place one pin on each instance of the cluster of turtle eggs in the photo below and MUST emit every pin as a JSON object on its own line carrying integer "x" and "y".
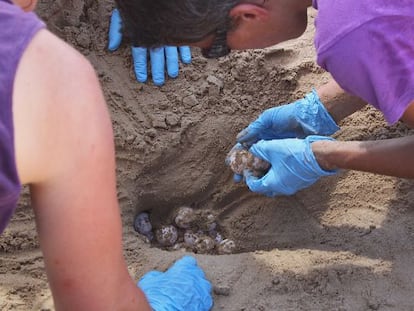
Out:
{"x": 189, "y": 229}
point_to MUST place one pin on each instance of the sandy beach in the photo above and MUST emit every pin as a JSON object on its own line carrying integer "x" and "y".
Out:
{"x": 346, "y": 243}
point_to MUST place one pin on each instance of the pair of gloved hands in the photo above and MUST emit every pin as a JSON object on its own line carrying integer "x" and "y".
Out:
{"x": 283, "y": 136}
{"x": 162, "y": 58}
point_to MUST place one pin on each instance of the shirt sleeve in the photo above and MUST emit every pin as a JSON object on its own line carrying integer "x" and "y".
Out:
{"x": 375, "y": 61}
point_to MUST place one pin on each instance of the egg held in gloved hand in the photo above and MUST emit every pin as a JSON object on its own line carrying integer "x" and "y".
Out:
{"x": 241, "y": 159}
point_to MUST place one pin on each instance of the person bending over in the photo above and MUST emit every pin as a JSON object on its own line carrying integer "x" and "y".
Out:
{"x": 367, "y": 48}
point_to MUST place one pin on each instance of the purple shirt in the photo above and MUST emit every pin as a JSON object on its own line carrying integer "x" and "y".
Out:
{"x": 368, "y": 47}
{"x": 17, "y": 28}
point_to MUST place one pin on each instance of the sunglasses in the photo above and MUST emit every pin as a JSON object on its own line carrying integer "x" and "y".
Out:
{"x": 219, "y": 48}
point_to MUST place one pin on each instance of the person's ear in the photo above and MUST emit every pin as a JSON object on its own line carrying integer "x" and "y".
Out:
{"x": 248, "y": 12}
{"x": 26, "y": 5}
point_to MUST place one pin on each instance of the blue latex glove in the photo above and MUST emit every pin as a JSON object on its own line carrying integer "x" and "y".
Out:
{"x": 160, "y": 58}
{"x": 183, "y": 287}
{"x": 304, "y": 117}
{"x": 293, "y": 166}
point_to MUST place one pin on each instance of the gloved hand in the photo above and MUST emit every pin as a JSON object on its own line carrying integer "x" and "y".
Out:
{"x": 306, "y": 116}
{"x": 159, "y": 57}
{"x": 293, "y": 166}
{"x": 182, "y": 287}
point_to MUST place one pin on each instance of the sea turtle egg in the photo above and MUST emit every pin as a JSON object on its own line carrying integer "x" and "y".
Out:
{"x": 226, "y": 247}
{"x": 166, "y": 235}
{"x": 216, "y": 236}
{"x": 142, "y": 224}
{"x": 241, "y": 159}
{"x": 190, "y": 238}
{"x": 184, "y": 217}
{"x": 211, "y": 222}
{"x": 204, "y": 244}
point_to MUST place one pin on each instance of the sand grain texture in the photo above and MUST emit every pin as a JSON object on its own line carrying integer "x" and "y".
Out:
{"x": 346, "y": 243}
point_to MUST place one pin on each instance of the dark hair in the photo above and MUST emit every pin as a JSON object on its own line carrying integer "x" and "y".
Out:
{"x": 152, "y": 23}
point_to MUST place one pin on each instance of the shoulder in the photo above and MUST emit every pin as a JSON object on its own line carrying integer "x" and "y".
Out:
{"x": 57, "y": 103}
{"x": 375, "y": 63}
{"x": 54, "y": 63}
{"x": 336, "y": 22}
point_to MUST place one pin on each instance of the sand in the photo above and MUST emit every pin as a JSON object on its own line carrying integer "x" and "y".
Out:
{"x": 346, "y": 243}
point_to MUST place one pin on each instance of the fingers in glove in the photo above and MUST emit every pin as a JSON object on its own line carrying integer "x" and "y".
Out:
{"x": 171, "y": 55}
{"x": 186, "y": 265}
{"x": 247, "y": 137}
{"x": 139, "y": 57}
{"x": 149, "y": 277}
{"x": 260, "y": 150}
{"x": 115, "y": 35}
{"x": 237, "y": 178}
{"x": 249, "y": 177}
{"x": 157, "y": 59}
{"x": 185, "y": 262}
{"x": 258, "y": 185}
{"x": 185, "y": 53}
{"x": 182, "y": 287}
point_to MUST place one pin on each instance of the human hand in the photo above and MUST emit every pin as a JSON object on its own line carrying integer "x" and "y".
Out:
{"x": 182, "y": 287}
{"x": 306, "y": 116}
{"x": 293, "y": 166}
{"x": 166, "y": 56}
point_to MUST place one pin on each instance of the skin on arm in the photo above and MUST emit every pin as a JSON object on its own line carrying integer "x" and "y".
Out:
{"x": 386, "y": 157}
{"x": 408, "y": 116}
{"x": 391, "y": 157}
{"x": 65, "y": 152}
{"x": 339, "y": 103}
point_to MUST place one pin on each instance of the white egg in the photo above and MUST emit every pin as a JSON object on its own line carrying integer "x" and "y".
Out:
{"x": 190, "y": 238}
{"x": 241, "y": 159}
{"x": 216, "y": 236}
{"x": 184, "y": 217}
{"x": 204, "y": 244}
{"x": 226, "y": 246}
{"x": 142, "y": 225}
{"x": 166, "y": 235}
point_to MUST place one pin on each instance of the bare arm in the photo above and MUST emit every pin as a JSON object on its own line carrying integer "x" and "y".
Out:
{"x": 338, "y": 103}
{"x": 387, "y": 157}
{"x": 392, "y": 157}
{"x": 65, "y": 151}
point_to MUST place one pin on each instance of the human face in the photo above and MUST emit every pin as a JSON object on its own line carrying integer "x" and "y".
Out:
{"x": 218, "y": 46}
{"x": 255, "y": 25}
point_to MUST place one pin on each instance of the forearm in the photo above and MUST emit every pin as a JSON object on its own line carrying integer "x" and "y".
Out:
{"x": 391, "y": 157}
{"x": 82, "y": 248}
{"x": 338, "y": 103}
{"x": 65, "y": 152}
